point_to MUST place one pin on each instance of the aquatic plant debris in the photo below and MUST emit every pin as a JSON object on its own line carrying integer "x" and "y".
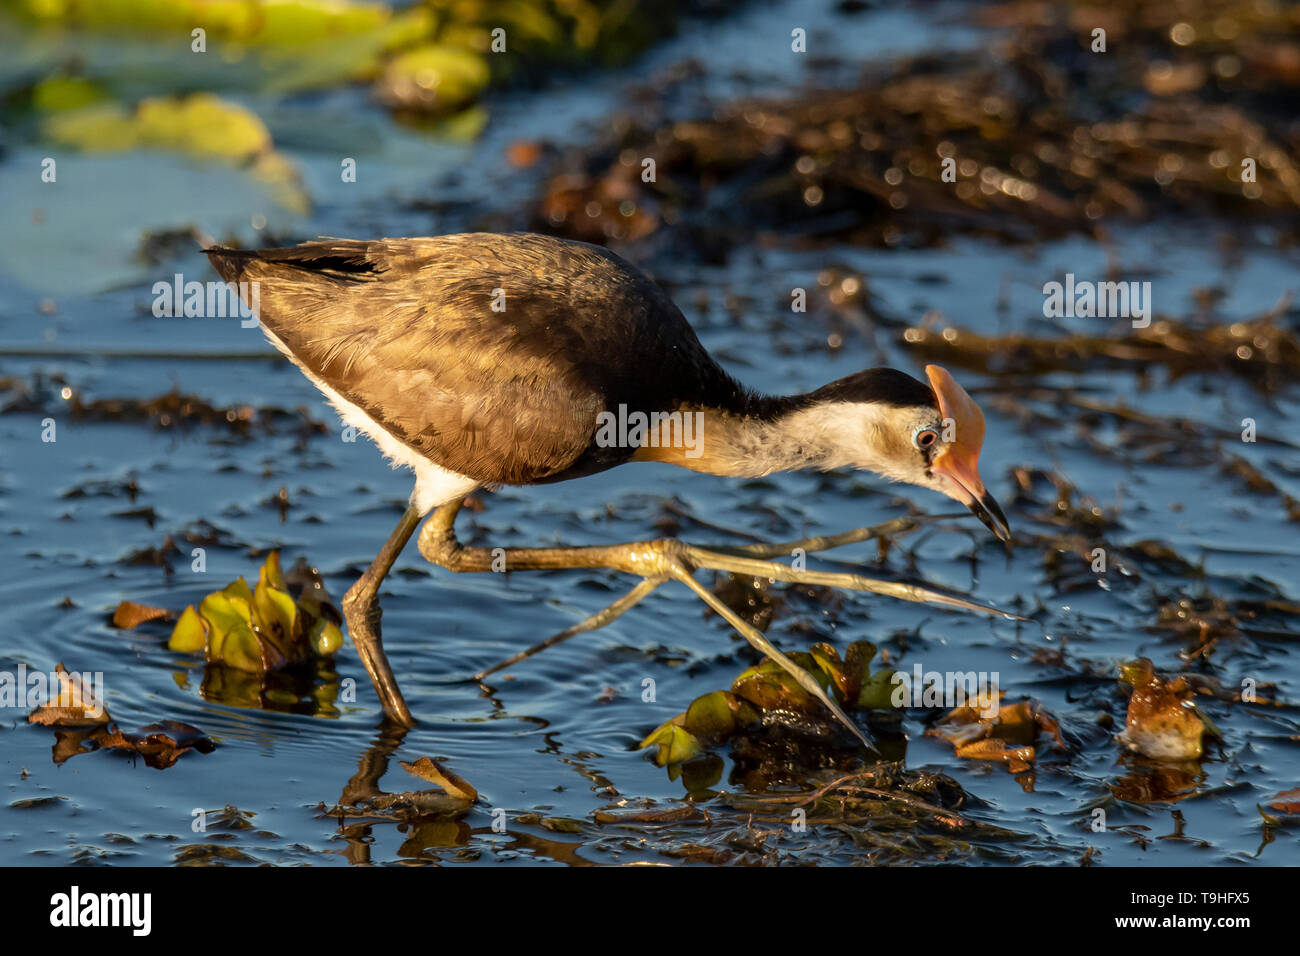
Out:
{"x": 73, "y": 704}
{"x": 130, "y": 615}
{"x": 173, "y": 410}
{"x": 886, "y": 814}
{"x": 1163, "y": 722}
{"x": 1287, "y": 802}
{"x": 1008, "y": 736}
{"x": 1262, "y": 350}
{"x": 81, "y": 718}
{"x": 452, "y": 798}
{"x": 452, "y": 784}
{"x": 1035, "y": 137}
{"x": 426, "y": 58}
{"x": 160, "y": 744}
{"x": 259, "y": 630}
{"x": 768, "y": 693}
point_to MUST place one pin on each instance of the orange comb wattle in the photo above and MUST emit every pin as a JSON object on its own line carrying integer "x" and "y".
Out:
{"x": 956, "y": 405}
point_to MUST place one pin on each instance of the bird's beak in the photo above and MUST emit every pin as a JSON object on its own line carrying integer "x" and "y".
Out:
{"x": 958, "y": 459}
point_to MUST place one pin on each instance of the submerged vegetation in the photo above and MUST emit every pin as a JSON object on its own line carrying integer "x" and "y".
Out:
{"x": 82, "y": 724}
{"x": 1045, "y": 138}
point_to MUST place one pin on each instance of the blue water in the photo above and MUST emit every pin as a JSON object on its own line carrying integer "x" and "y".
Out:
{"x": 557, "y": 734}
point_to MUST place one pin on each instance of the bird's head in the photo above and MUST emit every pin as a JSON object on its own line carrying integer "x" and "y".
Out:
{"x": 885, "y": 421}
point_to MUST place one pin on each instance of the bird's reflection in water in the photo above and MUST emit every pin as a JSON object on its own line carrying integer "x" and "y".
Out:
{"x": 432, "y": 821}
{"x": 429, "y": 819}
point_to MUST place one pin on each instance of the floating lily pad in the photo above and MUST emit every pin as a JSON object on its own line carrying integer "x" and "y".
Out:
{"x": 433, "y": 78}
{"x": 200, "y": 126}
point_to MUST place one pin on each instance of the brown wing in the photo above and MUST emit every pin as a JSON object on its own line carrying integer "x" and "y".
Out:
{"x": 491, "y": 355}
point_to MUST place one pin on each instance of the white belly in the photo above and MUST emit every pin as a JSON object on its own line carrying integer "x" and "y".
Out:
{"x": 434, "y": 485}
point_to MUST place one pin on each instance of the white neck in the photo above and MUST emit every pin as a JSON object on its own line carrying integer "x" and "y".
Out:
{"x": 823, "y": 437}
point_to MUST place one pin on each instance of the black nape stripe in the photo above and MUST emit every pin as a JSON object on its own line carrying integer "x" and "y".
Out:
{"x": 884, "y": 386}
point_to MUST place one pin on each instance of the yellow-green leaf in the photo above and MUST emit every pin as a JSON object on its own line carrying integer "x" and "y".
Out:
{"x": 710, "y": 716}
{"x": 190, "y": 635}
{"x": 674, "y": 741}
{"x": 326, "y": 638}
{"x": 230, "y": 637}
{"x": 433, "y": 78}
{"x": 877, "y": 691}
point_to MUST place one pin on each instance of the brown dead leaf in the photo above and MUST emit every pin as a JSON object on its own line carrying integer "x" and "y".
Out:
{"x": 452, "y": 784}
{"x": 1288, "y": 801}
{"x": 71, "y": 705}
{"x": 70, "y": 743}
{"x": 991, "y": 749}
{"x": 129, "y": 615}
{"x": 160, "y": 745}
{"x": 82, "y": 720}
{"x": 1008, "y": 737}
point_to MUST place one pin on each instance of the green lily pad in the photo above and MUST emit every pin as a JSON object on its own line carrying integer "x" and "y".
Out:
{"x": 298, "y": 22}
{"x": 199, "y": 125}
{"x": 434, "y": 78}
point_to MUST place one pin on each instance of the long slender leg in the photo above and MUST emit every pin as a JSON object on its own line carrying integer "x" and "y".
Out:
{"x": 657, "y": 558}
{"x": 597, "y": 620}
{"x": 704, "y": 558}
{"x": 652, "y": 560}
{"x": 728, "y": 560}
{"x": 761, "y": 643}
{"x": 362, "y": 612}
{"x": 826, "y": 542}
{"x": 663, "y": 558}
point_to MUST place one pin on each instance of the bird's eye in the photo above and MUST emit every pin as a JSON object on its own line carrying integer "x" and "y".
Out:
{"x": 925, "y": 437}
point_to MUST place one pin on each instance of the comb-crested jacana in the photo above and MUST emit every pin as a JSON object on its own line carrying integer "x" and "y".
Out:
{"x": 482, "y": 360}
